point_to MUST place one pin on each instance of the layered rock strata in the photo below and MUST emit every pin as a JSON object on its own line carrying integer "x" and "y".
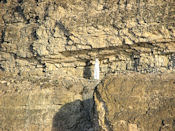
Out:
{"x": 61, "y": 37}
{"x": 47, "y": 54}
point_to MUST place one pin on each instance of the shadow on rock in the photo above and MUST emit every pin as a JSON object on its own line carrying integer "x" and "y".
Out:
{"x": 74, "y": 116}
{"x": 87, "y": 70}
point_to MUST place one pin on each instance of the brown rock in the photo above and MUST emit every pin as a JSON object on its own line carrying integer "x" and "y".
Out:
{"x": 45, "y": 33}
{"x": 45, "y": 104}
{"x": 47, "y": 53}
{"x": 136, "y": 102}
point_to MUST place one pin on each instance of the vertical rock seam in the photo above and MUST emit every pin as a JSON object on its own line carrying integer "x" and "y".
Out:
{"x": 101, "y": 110}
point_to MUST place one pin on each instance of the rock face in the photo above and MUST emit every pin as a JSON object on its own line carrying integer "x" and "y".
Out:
{"x": 136, "y": 102}
{"x": 48, "y": 50}
{"x": 37, "y": 104}
{"x": 60, "y": 37}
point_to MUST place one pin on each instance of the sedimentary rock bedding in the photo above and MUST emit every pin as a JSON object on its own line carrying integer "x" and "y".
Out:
{"x": 47, "y": 55}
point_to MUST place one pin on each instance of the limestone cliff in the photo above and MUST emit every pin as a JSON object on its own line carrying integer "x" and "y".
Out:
{"x": 56, "y": 36}
{"x": 48, "y": 49}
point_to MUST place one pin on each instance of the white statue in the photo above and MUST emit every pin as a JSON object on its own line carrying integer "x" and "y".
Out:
{"x": 96, "y": 70}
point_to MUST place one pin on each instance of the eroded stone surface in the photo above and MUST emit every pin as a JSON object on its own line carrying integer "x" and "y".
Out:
{"x": 136, "y": 102}
{"x": 38, "y": 103}
{"x": 47, "y": 47}
{"x": 59, "y": 37}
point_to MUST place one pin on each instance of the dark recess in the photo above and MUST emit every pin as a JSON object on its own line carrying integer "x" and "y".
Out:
{"x": 36, "y": 19}
{"x": 21, "y": 12}
{"x": 136, "y": 63}
{"x": 20, "y": 1}
{"x": 4, "y": 1}
{"x": 2, "y": 36}
{"x": 19, "y": 9}
{"x": 34, "y": 34}
{"x": 87, "y": 70}
{"x": 15, "y": 56}
{"x": 1, "y": 68}
{"x": 173, "y": 60}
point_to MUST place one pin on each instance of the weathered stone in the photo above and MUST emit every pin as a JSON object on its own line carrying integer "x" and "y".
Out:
{"x": 54, "y": 28}
{"x": 135, "y": 102}
{"x": 48, "y": 50}
{"x": 45, "y": 104}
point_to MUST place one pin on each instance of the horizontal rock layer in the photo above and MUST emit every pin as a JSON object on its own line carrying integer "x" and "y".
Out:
{"x": 59, "y": 37}
{"x": 47, "y": 54}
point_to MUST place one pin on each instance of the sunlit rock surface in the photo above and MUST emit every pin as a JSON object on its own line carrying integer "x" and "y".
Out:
{"x": 47, "y": 56}
{"x": 59, "y": 37}
{"x": 136, "y": 102}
